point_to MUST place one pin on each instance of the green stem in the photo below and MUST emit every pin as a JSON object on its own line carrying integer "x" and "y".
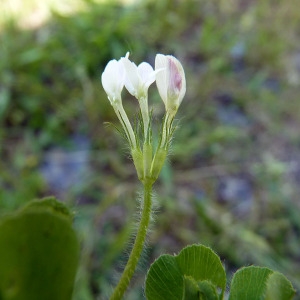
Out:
{"x": 122, "y": 116}
{"x": 138, "y": 244}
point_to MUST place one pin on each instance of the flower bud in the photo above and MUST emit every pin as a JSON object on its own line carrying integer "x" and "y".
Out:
{"x": 170, "y": 82}
{"x": 113, "y": 80}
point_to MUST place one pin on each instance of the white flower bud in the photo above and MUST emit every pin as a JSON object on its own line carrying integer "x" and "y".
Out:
{"x": 113, "y": 80}
{"x": 170, "y": 81}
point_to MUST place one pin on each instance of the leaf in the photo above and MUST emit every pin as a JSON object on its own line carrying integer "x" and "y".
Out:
{"x": 191, "y": 290}
{"x": 39, "y": 253}
{"x": 164, "y": 279}
{"x": 208, "y": 291}
{"x": 204, "y": 290}
{"x": 51, "y": 204}
{"x": 279, "y": 287}
{"x": 195, "y": 273}
{"x": 260, "y": 283}
{"x": 249, "y": 283}
{"x": 202, "y": 263}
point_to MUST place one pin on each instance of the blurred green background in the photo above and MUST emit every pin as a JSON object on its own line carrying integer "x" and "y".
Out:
{"x": 232, "y": 179}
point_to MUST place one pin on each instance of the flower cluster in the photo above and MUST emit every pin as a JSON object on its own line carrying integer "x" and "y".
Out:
{"x": 171, "y": 84}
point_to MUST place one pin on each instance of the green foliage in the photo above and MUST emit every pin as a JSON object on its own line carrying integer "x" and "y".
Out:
{"x": 39, "y": 253}
{"x": 195, "y": 273}
{"x": 51, "y": 204}
{"x": 260, "y": 283}
{"x": 50, "y": 89}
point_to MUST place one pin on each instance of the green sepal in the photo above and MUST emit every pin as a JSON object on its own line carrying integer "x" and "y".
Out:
{"x": 158, "y": 162}
{"x": 147, "y": 157}
{"x": 138, "y": 161}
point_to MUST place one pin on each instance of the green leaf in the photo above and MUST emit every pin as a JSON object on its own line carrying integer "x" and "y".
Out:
{"x": 260, "y": 283}
{"x": 191, "y": 290}
{"x": 195, "y": 273}
{"x": 279, "y": 287}
{"x": 202, "y": 263}
{"x": 50, "y": 204}
{"x": 164, "y": 279}
{"x": 208, "y": 291}
{"x": 39, "y": 253}
{"x": 249, "y": 283}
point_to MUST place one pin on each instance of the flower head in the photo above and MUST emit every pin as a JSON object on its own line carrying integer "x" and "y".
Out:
{"x": 138, "y": 78}
{"x": 170, "y": 81}
{"x": 113, "y": 80}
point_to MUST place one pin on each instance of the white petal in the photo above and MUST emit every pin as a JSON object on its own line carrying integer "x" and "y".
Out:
{"x": 147, "y": 74}
{"x": 183, "y": 82}
{"x": 161, "y": 62}
{"x": 180, "y": 70}
{"x": 132, "y": 78}
{"x": 113, "y": 79}
{"x": 108, "y": 77}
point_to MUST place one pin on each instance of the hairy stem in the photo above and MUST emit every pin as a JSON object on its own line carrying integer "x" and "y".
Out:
{"x": 122, "y": 116}
{"x": 137, "y": 246}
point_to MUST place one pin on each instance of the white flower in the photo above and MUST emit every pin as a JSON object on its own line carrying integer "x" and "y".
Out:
{"x": 113, "y": 80}
{"x": 138, "y": 78}
{"x": 170, "y": 81}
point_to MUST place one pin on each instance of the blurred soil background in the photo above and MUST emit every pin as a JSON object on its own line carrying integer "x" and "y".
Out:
{"x": 232, "y": 181}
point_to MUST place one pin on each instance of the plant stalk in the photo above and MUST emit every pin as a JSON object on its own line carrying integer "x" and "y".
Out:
{"x": 138, "y": 244}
